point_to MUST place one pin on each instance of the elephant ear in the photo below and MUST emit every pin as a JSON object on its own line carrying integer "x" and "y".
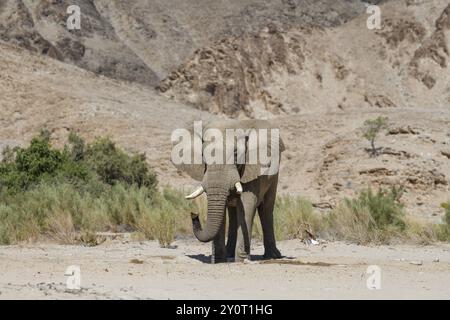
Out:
{"x": 252, "y": 171}
{"x": 195, "y": 171}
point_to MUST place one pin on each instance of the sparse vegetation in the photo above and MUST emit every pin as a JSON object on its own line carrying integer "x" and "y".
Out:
{"x": 446, "y": 207}
{"x": 371, "y": 217}
{"x": 63, "y": 213}
{"x": 294, "y": 218}
{"x": 69, "y": 195}
{"x": 444, "y": 229}
{"x": 372, "y": 128}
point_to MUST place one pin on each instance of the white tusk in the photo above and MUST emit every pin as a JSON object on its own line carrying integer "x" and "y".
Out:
{"x": 238, "y": 186}
{"x": 196, "y": 193}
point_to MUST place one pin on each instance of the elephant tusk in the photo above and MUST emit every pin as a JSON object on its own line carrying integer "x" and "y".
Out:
{"x": 196, "y": 193}
{"x": 238, "y": 186}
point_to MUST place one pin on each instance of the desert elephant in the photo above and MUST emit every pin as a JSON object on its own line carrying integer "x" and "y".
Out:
{"x": 241, "y": 187}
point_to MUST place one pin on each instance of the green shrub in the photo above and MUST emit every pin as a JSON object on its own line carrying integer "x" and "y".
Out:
{"x": 23, "y": 168}
{"x": 77, "y": 146}
{"x": 384, "y": 206}
{"x": 113, "y": 165}
{"x": 101, "y": 162}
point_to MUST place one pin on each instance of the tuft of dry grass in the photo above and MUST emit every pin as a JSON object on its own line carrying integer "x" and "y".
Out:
{"x": 61, "y": 229}
{"x": 420, "y": 231}
{"x": 294, "y": 217}
{"x": 351, "y": 223}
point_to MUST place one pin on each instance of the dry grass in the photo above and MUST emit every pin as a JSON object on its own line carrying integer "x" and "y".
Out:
{"x": 294, "y": 217}
{"x": 61, "y": 228}
{"x": 353, "y": 224}
{"x": 68, "y": 216}
{"x": 420, "y": 231}
{"x": 372, "y": 217}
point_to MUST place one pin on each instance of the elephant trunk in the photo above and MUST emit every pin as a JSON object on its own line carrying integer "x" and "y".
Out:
{"x": 215, "y": 218}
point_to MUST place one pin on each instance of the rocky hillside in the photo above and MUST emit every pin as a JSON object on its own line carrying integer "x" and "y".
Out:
{"x": 143, "y": 41}
{"x": 316, "y": 69}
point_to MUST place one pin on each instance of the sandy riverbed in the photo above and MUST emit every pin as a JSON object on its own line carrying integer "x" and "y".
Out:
{"x": 133, "y": 270}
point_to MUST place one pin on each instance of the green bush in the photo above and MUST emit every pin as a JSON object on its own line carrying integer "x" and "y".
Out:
{"x": 384, "y": 206}
{"x": 85, "y": 166}
{"x": 22, "y": 168}
{"x": 113, "y": 165}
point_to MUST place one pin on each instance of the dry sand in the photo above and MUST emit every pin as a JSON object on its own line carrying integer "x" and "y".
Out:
{"x": 132, "y": 270}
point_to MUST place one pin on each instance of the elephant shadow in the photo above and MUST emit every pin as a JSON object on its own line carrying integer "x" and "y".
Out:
{"x": 254, "y": 257}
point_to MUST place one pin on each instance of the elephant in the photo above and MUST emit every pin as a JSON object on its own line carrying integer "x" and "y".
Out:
{"x": 239, "y": 187}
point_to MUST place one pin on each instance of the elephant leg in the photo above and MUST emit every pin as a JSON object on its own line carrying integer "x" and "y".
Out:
{"x": 219, "y": 253}
{"x": 265, "y": 211}
{"x": 245, "y": 213}
{"x": 232, "y": 232}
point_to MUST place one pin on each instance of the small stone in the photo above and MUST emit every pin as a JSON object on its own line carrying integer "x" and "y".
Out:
{"x": 416, "y": 263}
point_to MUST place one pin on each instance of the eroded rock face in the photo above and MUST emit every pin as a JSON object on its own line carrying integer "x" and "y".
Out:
{"x": 144, "y": 41}
{"x": 40, "y": 26}
{"x": 396, "y": 31}
{"x": 434, "y": 48}
{"x": 227, "y": 76}
{"x": 318, "y": 68}
{"x": 17, "y": 27}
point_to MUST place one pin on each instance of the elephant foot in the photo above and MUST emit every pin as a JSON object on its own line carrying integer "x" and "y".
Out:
{"x": 272, "y": 253}
{"x": 241, "y": 257}
{"x": 219, "y": 251}
{"x": 218, "y": 256}
{"x": 221, "y": 259}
